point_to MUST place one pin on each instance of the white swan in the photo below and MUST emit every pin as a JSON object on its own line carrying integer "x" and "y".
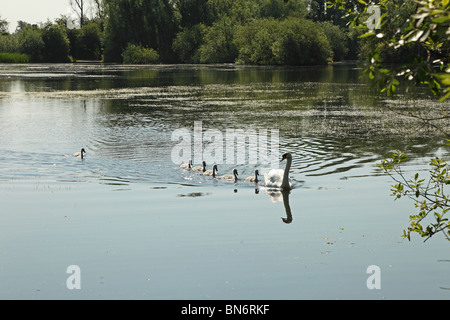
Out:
{"x": 279, "y": 178}
{"x": 211, "y": 172}
{"x": 186, "y": 165}
{"x": 253, "y": 178}
{"x": 230, "y": 176}
{"x": 200, "y": 168}
{"x": 80, "y": 154}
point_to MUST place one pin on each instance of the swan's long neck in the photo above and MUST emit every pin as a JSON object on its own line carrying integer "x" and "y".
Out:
{"x": 285, "y": 183}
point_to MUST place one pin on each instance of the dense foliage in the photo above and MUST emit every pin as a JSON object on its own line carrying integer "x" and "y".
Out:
{"x": 297, "y": 32}
{"x": 7, "y": 57}
{"x": 278, "y": 32}
{"x": 150, "y": 24}
{"x": 86, "y": 42}
{"x": 411, "y": 42}
{"x": 292, "y": 41}
{"x": 134, "y": 54}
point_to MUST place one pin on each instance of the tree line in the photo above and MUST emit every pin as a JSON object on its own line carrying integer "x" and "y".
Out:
{"x": 262, "y": 32}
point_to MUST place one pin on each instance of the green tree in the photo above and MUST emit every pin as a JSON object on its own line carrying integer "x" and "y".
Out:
{"x": 56, "y": 44}
{"x": 415, "y": 31}
{"x": 302, "y": 42}
{"x": 31, "y": 42}
{"x": 319, "y": 10}
{"x": 139, "y": 55}
{"x": 192, "y": 12}
{"x": 9, "y": 43}
{"x": 338, "y": 39}
{"x": 149, "y": 23}
{"x": 219, "y": 8}
{"x": 187, "y": 43}
{"x": 218, "y": 45}
{"x": 281, "y": 9}
{"x": 254, "y": 41}
{"x": 239, "y": 11}
{"x": 292, "y": 41}
{"x": 3, "y": 26}
{"x": 87, "y": 42}
{"x": 22, "y": 25}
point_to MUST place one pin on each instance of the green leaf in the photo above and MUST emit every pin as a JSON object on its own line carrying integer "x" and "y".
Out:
{"x": 367, "y": 34}
{"x": 444, "y": 79}
{"x": 445, "y": 97}
{"x": 384, "y": 71}
{"x": 391, "y": 90}
{"x": 376, "y": 54}
{"x": 435, "y": 87}
{"x": 440, "y": 19}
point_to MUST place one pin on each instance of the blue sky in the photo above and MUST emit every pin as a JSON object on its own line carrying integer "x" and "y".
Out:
{"x": 33, "y": 11}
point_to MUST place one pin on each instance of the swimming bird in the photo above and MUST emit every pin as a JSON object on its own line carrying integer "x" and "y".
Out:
{"x": 211, "y": 172}
{"x": 279, "y": 178}
{"x": 200, "y": 168}
{"x": 186, "y": 165}
{"x": 253, "y": 178}
{"x": 80, "y": 154}
{"x": 230, "y": 176}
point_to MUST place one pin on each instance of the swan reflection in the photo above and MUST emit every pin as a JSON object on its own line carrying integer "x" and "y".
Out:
{"x": 276, "y": 195}
{"x": 281, "y": 195}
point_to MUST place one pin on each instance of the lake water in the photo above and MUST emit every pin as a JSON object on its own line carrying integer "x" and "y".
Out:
{"x": 138, "y": 227}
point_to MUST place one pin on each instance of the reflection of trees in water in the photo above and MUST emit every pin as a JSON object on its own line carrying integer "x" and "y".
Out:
{"x": 324, "y": 114}
{"x": 324, "y": 103}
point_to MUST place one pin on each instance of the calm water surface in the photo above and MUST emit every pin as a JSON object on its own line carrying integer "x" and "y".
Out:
{"x": 140, "y": 228}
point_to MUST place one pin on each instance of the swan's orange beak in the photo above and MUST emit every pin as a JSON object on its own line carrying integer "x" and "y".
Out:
{"x": 283, "y": 157}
